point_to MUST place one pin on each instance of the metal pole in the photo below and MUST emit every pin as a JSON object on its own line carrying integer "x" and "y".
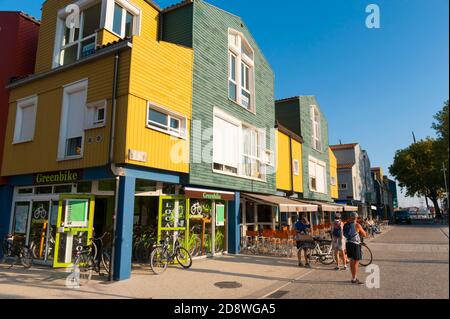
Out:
{"x": 444, "y": 170}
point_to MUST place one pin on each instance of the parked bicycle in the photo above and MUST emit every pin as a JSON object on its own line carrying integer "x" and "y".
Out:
{"x": 322, "y": 251}
{"x": 14, "y": 250}
{"x": 102, "y": 256}
{"x": 167, "y": 253}
{"x": 84, "y": 265}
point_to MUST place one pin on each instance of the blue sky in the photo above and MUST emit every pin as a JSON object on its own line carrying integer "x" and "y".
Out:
{"x": 375, "y": 86}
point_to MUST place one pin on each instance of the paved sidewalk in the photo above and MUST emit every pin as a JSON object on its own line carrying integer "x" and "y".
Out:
{"x": 255, "y": 274}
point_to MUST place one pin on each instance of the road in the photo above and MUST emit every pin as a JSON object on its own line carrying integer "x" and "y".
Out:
{"x": 413, "y": 262}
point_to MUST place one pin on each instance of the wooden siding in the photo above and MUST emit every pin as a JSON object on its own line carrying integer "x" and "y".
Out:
{"x": 333, "y": 173}
{"x": 210, "y": 89}
{"x": 161, "y": 73}
{"x": 283, "y": 162}
{"x": 297, "y": 155}
{"x": 40, "y": 155}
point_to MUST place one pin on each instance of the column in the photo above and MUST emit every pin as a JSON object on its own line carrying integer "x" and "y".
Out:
{"x": 6, "y": 196}
{"x": 124, "y": 228}
{"x": 234, "y": 231}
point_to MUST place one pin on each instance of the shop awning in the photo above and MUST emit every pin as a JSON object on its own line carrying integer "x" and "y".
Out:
{"x": 326, "y": 207}
{"x": 285, "y": 205}
{"x": 200, "y": 193}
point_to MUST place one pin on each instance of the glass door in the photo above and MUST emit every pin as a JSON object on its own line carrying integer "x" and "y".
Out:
{"x": 20, "y": 220}
{"x": 73, "y": 227}
{"x": 40, "y": 213}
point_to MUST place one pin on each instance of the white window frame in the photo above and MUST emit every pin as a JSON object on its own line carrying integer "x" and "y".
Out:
{"x": 265, "y": 154}
{"x": 62, "y": 145}
{"x": 182, "y": 133}
{"x": 31, "y": 101}
{"x": 317, "y": 162}
{"x": 91, "y": 120}
{"x": 241, "y": 59}
{"x": 106, "y": 22}
{"x": 316, "y": 129}
{"x": 296, "y": 167}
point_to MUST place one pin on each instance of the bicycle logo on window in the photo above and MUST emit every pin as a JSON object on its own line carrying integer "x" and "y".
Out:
{"x": 40, "y": 213}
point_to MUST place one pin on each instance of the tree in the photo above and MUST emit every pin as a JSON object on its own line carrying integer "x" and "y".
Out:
{"x": 418, "y": 170}
{"x": 441, "y": 124}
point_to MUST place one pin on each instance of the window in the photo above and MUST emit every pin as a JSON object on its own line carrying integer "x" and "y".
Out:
{"x": 25, "y": 120}
{"x": 253, "y": 153}
{"x": 77, "y": 43}
{"x": 95, "y": 114}
{"x": 226, "y": 145}
{"x": 166, "y": 122}
{"x": 72, "y": 121}
{"x": 333, "y": 180}
{"x": 317, "y": 176}
{"x": 239, "y": 149}
{"x": 123, "y": 22}
{"x": 316, "y": 133}
{"x": 240, "y": 71}
{"x": 296, "y": 167}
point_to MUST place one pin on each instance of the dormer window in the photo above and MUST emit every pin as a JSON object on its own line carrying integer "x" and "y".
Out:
{"x": 76, "y": 35}
{"x": 241, "y": 71}
{"x": 80, "y": 42}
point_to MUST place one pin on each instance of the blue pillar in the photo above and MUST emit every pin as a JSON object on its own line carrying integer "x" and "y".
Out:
{"x": 124, "y": 228}
{"x": 6, "y": 196}
{"x": 234, "y": 227}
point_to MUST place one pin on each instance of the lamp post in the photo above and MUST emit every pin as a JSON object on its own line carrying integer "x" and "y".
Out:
{"x": 444, "y": 170}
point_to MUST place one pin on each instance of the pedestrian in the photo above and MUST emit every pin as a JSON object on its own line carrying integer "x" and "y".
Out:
{"x": 303, "y": 228}
{"x": 353, "y": 232}
{"x": 338, "y": 241}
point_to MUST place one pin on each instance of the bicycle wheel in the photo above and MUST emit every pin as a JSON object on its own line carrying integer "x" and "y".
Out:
{"x": 184, "y": 258}
{"x": 159, "y": 260}
{"x": 328, "y": 257}
{"x": 84, "y": 265}
{"x": 25, "y": 257}
{"x": 106, "y": 261}
{"x": 367, "y": 257}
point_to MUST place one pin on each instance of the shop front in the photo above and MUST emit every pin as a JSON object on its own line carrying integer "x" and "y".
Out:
{"x": 208, "y": 215}
{"x": 60, "y": 211}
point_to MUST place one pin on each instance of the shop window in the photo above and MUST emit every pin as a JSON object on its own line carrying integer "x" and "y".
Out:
{"x": 249, "y": 213}
{"x": 169, "y": 189}
{"x": 25, "y": 120}
{"x": 43, "y": 190}
{"x": 72, "y": 121}
{"x": 23, "y": 191}
{"x": 84, "y": 187}
{"x": 264, "y": 214}
{"x": 62, "y": 189}
{"x": 107, "y": 185}
{"x": 144, "y": 186}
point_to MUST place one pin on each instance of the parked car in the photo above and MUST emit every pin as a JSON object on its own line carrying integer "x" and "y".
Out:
{"x": 403, "y": 216}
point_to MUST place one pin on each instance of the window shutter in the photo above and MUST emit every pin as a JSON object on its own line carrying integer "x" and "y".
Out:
{"x": 75, "y": 119}
{"x": 225, "y": 143}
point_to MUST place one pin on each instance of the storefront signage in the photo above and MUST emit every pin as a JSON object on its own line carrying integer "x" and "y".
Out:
{"x": 67, "y": 176}
{"x": 220, "y": 215}
{"x": 211, "y": 195}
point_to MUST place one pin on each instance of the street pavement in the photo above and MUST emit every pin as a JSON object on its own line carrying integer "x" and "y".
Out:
{"x": 413, "y": 263}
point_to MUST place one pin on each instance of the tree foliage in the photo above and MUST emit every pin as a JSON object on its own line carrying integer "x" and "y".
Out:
{"x": 441, "y": 124}
{"x": 418, "y": 170}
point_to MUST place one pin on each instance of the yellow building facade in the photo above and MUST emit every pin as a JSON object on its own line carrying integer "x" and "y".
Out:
{"x": 289, "y": 161}
{"x": 334, "y": 186}
{"x": 153, "y": 78}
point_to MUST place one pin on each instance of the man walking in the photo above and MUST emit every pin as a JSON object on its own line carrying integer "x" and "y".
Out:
{"x": 353, "y": 232}
{"x": 338, "y": 241}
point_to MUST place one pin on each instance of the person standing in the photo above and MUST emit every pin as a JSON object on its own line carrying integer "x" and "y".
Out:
{"x": 353, "y": 232}
{"x": 338, "y": 241}
{"x": 303, "y": 227}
